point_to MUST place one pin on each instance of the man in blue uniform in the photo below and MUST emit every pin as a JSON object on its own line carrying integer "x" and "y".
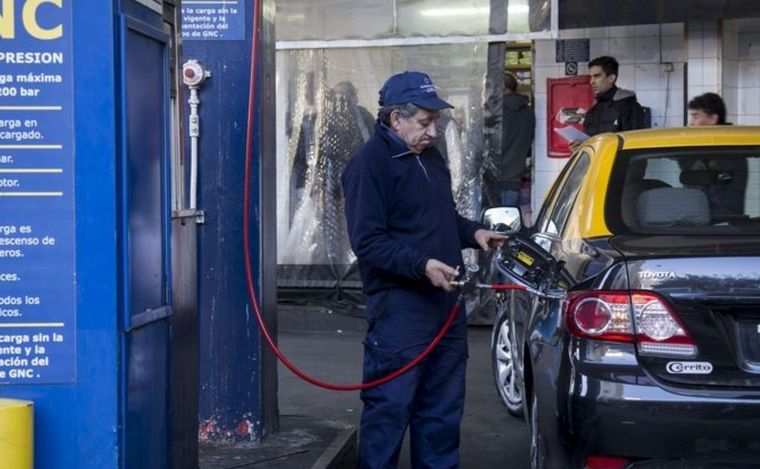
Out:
{"x": 407, "y": 235}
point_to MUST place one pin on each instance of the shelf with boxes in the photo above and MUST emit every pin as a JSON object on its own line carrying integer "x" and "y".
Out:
{"x": 518, "y": 60}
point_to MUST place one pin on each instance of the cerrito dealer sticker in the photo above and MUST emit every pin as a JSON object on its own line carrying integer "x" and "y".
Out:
{"x": 689, "y": 368}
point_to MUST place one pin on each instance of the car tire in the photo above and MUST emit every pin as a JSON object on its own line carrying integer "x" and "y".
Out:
{"x": 537, "y": 444}
{"x": 503, "y": 364}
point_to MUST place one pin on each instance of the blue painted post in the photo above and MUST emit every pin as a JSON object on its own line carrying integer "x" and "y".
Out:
{"x": 237, "y": 376}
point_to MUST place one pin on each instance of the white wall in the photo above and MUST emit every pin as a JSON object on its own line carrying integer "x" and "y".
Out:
{"x": 749, "y": 78}
{"x": 741, "y": 86}
{"x": 741, "y": 70}
{"x": 641, "y": 51}
{"x": 704, "y": 54}
{"x": 730, "y": 70}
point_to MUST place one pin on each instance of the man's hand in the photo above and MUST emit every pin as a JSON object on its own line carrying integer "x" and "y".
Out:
{"x": 489, "y": 239}
{"x": 440, "y": 274}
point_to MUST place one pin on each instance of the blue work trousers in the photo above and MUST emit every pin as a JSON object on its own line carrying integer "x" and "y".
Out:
{"x": 429, "y": 399}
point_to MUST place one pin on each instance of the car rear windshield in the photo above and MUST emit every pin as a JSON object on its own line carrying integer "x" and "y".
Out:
{"x": 703, "y": 191}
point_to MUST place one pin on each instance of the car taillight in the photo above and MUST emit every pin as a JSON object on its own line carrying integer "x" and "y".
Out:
{"x": 601, "y": 315}
{"x": 638, "y": 317}
{"x": 658, "y": 330}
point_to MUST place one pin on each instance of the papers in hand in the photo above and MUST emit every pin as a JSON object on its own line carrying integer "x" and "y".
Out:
{"x": 571, "y": 134}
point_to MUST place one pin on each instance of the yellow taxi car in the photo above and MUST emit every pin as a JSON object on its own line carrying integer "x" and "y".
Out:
{"x": 638, "y": 342}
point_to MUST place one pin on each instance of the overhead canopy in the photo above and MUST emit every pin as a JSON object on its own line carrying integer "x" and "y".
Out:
{"x": 596, "y": 13}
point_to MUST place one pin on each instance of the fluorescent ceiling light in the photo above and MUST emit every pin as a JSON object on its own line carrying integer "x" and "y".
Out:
{"x": 455, "y": 11}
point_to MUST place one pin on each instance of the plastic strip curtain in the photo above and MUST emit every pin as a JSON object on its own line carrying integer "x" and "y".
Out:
{"x": 328, "y": 106}
{"x": 327, "y": 102}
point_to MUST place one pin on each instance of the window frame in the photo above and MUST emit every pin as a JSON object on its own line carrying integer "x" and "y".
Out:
{"x": 548, "y": 204}
{"x": 564, "y": 196}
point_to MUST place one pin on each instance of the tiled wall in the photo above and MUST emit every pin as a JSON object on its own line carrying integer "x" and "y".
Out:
{"x": 741, "y": 86}
{"x": 642, "y": 52}
{"x": 704, "y": 54}
{"x": 741, "y": 70}
{"x": 730, "y": 68}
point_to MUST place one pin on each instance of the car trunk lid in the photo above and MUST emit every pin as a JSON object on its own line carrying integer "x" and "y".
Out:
{"x": 713, "y": 287}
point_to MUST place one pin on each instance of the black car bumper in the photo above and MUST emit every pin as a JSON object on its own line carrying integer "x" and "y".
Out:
{"x": 644, "y": 422}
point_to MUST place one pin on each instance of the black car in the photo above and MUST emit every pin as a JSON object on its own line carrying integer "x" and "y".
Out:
{"x": 638, "y": 344}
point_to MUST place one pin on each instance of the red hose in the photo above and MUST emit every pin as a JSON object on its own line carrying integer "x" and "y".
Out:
{"x": 506, "y": 286}
{"x": 247, "y": 253}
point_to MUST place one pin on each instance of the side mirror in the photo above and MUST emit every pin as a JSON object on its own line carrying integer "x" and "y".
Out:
{"x": 503, "y": 219}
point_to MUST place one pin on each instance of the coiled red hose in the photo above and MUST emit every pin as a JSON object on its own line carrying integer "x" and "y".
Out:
{"x": 247, "y": 254}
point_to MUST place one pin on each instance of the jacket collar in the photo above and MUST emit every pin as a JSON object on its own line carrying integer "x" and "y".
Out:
{"x": 608, "y": 95}
{"x": 397, "y": 146}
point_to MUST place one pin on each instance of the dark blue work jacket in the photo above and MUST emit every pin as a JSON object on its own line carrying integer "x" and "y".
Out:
{"x": 400, "y": 213}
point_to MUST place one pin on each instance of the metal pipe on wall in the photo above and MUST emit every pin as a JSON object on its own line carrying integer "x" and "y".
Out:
{"x": 193, "y": 75}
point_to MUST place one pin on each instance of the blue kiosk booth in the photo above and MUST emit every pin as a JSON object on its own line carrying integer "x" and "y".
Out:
{"x": 123, "y": 315}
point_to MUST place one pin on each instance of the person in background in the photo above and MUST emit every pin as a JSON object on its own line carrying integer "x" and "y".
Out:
{"x": 362, "y": 117}
{"x": 725, "y": 179}
{"x": 504, "y": 174}
{"x": 615, "y": 109}
{"x": 707, "y": 109}
{"x": 408, "y": 237}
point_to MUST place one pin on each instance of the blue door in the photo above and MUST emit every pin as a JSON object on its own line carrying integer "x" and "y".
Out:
{"x": 144, "y": 246}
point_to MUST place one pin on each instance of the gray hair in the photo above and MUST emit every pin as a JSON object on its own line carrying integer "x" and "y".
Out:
{"x": 406, "y": 110}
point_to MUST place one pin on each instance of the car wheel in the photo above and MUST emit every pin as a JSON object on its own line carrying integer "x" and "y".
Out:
{"x": 537, "y": 445}
{"x": 503, "y": 364}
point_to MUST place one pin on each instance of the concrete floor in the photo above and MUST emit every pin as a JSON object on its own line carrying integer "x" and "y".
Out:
{"x": 300, "y": 443}
{"x": 328, "y": 346}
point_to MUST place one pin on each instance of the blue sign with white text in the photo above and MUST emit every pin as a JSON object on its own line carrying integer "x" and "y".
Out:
{"x": 37, "y": 245}
{"x": 213, "y": 20}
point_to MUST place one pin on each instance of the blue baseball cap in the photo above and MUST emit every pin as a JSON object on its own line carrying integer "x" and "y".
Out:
{"x": 411, "y": 87}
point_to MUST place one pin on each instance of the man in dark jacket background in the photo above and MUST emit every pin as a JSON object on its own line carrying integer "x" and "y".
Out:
{"x": 408, "y": 237}
{"x": 724, "y": 180}
{"x": 504, "y": 173}
{"x": 615, "y": 109}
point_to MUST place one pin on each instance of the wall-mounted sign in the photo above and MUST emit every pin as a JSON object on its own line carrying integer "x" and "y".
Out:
{"x": 37, "y": 245}
{"x": 572, "y": 50}
{"x": 213, "y": 20}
